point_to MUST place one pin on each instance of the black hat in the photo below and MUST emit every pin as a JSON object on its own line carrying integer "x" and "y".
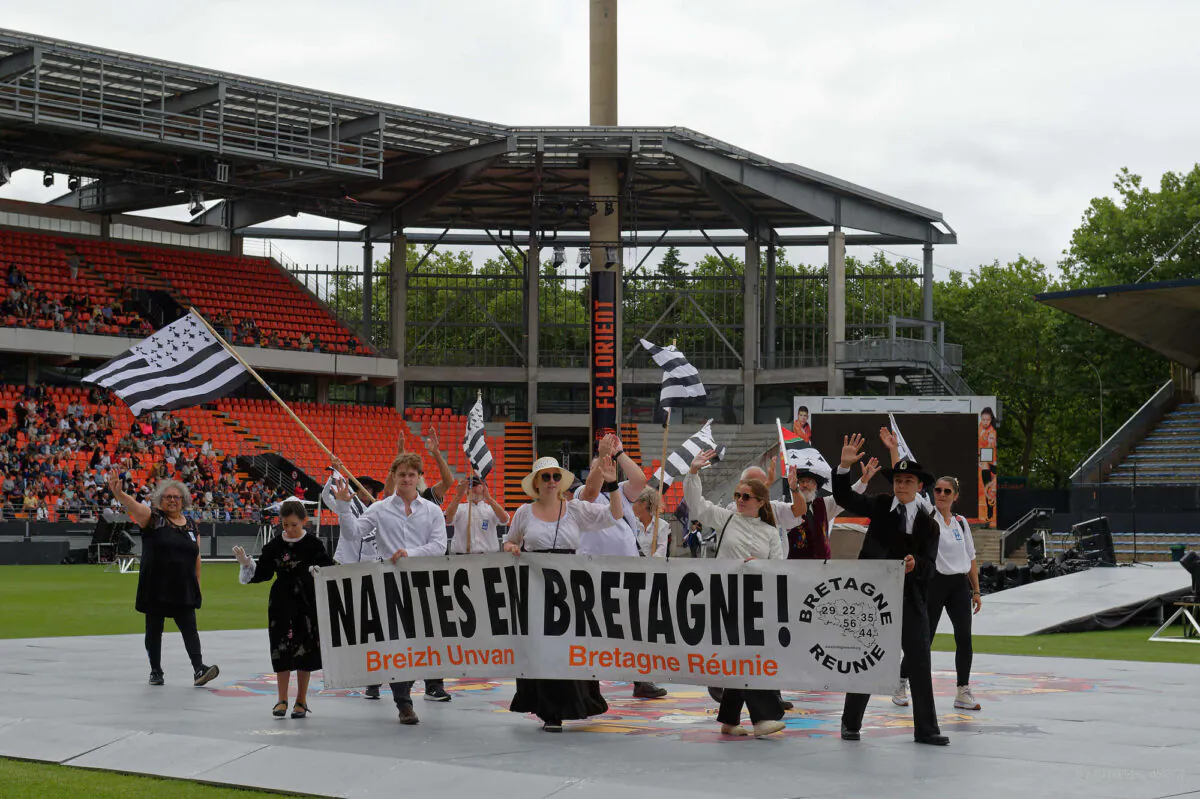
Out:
{"x": 908, "y": 466}
{"x": 371, "y": 484}
{"x": 821, "y": 479}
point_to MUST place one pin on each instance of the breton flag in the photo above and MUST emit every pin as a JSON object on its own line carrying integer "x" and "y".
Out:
{"x": 905, "y": 452}
{"x": 475, "y": 441}
{"x": 680, "y": 381}
{"x": 180, "y": 366}
{"x": 679, "y": 461}
{"x": 801, "y": 455}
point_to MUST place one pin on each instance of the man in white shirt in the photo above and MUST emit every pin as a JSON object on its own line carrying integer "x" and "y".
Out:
{"x": 406, "y": 526}
{"x": 475, "y": 520}
{"x": 619, "y": 538}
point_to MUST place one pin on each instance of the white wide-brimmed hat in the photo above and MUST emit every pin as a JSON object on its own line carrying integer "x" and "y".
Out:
{"x": 542, "y": 465}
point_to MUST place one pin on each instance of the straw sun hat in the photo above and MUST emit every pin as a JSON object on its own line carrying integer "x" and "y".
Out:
{"x": 542, "y": 465}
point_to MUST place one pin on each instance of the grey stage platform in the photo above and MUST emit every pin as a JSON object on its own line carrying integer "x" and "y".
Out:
{"x": 1048, "y": 728}
{"x": 1046, "y": 605}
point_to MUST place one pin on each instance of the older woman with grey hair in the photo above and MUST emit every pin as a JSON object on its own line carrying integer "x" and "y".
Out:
{"x": 169, "y": 578}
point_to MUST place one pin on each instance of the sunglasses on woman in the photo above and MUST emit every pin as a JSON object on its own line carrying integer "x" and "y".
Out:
{"x": 743, "y": 497}
{"x": 943, "y": 490}
{"x": 551, "y": 477}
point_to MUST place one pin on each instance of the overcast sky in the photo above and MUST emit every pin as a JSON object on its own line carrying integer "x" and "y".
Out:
{"x": 1006, "y": 117}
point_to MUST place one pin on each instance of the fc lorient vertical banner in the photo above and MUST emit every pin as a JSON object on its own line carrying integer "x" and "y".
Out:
{"x": 804, "y": 625}
{"x": 604, "y": 358}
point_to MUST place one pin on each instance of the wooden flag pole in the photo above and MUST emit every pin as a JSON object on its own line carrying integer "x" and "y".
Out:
{"x": 661, "y": 482}
{"x": 662, "y": 467}
{"x": 274, "y": 396}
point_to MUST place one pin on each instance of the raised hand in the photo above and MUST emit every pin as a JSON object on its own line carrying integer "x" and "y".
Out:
{"x": 888, "y": 439}
{"x": 431, "y": 441}
{"x": 242, "y": 557}
{"x": 852, "y": 450}
{"x": 702, "y": 460}
{"x": 606, "y": 446}
{"x": 114, "y": 482}
{"x": 343, "y": 492}
{"x": 870, "y": 469}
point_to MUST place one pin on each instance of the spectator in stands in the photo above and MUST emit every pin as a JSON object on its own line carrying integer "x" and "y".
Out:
{"x": 316, "y": 342}
{"x": 306, "y": 343}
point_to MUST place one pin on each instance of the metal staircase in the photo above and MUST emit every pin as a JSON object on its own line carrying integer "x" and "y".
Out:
{"x": 929, "y": 368}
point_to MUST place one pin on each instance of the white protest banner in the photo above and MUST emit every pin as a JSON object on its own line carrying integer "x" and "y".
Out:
{"x": 802, "y": 625}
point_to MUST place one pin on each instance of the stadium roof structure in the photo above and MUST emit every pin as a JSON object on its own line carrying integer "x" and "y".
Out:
{"x": 1162, "y": 316}
{"x": 151, "y": 133}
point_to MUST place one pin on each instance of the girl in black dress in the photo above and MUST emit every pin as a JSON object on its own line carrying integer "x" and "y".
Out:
{"x": 169, "y": 577}
{"x": 290, "y": 558}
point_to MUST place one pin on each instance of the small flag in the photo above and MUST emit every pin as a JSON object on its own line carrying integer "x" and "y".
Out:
{"x": 475, "y": 441}
{"x": 679, "y": 461}
{"x": 905, "y": 452}
{"x": 180, "y": 366}
{"x": 680, "y": 381}
{"x": 800, "y": 454}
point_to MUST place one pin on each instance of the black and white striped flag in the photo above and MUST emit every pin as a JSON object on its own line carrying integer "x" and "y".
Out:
{"x": 680, "y": 381}
{"x": 180, "y": 366}
{"x": 475, "y": 441}
{"x": 679, "y": 461}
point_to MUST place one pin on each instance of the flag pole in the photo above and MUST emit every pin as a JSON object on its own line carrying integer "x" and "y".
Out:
{"x": 470, "y": 488}
{"x": 274, "y": 396}
{"x": 662, "y": 466}
{"x": 782, "y": 453}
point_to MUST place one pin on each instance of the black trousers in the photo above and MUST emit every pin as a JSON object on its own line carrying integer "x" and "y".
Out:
{"x": 914, "y": 641}
{"x": 185, "y": 620}
{"x": 402, "y": 691}
{"x": 953, "y": 592}
{"x": 762, "y": 706}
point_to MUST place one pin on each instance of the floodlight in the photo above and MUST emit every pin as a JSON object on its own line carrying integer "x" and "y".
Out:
{"x": 593, "y": 209}
{"x": 560, "y": 256}
{"x": 612, "y": 257}
{"x": 585, "y": 257}
{"x": 195, "y": 203}
{"x": 4, "y": 174}
{"x": 72, "y": 182}
{"x": 608, "y": 208}
{"x": 47, "y": 178}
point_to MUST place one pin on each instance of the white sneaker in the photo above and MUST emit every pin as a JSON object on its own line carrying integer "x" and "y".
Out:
{"x": 768, "y": 728}
{"x": 964, "y": 699}
{"x": 900, "y": 695}
{"x": 733, "y": 729}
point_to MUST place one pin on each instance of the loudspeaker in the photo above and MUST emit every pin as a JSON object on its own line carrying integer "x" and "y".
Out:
{"x": 1094, "y": 540}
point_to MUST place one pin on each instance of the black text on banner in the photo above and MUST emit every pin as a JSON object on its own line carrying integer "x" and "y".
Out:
{"x": 802, "y": 625}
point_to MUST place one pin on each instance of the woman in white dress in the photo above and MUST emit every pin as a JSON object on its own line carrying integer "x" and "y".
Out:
{"x": 747, "y": 533}
{"x": 553, "y": 523}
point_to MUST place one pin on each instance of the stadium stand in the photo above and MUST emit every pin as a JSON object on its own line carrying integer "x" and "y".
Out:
{"x": 251, "y": 299}
{"x": 41, "y": 292}
{"x": 1168, "y": 455}
{"x": 58, "y": 443}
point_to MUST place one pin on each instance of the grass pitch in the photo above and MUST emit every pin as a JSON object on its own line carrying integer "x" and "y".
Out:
{"x": 51, "y": 601}
{"x": 23, "y": 780}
